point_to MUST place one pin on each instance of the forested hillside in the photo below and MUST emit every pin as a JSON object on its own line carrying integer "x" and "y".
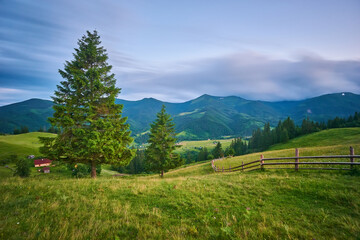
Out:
{"x": 202, "y": 118}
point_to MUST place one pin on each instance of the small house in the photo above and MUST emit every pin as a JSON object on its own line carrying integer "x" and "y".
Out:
{"x": 46, "y": 170}
{"x": 43, "y": 162}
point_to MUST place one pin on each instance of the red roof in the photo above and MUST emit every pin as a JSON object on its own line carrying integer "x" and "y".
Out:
{"x": 42, "y": 161}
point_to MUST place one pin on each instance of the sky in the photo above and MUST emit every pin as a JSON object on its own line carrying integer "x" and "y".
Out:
{"x": 178, "y": 50}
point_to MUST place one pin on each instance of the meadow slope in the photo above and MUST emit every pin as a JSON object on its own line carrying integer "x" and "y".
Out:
{"x": 191, "y": 202}
{"x": 327, "y": 142}
{"x": 22, "y": 144}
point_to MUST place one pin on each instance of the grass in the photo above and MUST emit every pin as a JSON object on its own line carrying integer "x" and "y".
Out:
{"x": 209, "y": 144}
{"x": 191, "y": 202}
{"x": 330, "y": 137}
{"x": 214, "y": 206}
{"x": 21, "y": 145}
{"x": 328, "y": 142}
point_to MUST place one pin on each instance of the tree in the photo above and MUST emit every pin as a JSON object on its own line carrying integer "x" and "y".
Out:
{"x": 16, "y": 131}
{"x": 289, "y": 125}
{"x": 284, "y": 136}
{"x": 218, "y": 152}
{"x": 229, "y": 151}
{"x": 22, "y": 167}
{"x": 24, "y": 129}
{"x": 160, "y": 156}
{"x": 136, "y": 166}
{"x": 203, "y": 154}
{"x": 91, "y": 128}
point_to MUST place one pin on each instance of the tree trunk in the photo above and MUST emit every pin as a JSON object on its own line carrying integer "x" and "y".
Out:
{"x": 162, "y": 173}
{"x": 93, "y": 170}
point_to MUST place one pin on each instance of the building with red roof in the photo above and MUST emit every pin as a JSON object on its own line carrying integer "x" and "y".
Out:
{"x": 43, "y": 162}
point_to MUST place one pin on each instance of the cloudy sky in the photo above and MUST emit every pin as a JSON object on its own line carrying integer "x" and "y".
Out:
{"x": 178, "y": 50}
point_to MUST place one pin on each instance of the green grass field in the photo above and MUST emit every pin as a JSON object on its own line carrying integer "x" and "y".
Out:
{"x": 209, "y": 144}
{"x": 191, "y": 202}
{"x": 21, "y": 145}
{"x": 330, "y": 137}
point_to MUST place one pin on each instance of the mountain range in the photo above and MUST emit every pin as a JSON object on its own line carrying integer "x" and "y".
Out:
{"x": 201, "y": 118}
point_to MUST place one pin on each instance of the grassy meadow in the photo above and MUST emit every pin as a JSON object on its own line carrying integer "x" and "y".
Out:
{"x": 22, "y": 144}
{"x": 191, "y": 202}
{"x": 184, "y": 146}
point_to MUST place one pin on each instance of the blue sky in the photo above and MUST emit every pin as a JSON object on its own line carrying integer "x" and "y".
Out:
{"x": 179, "y": 50}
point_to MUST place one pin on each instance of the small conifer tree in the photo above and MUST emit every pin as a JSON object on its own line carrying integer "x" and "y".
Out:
{"x": 160, "y": 156}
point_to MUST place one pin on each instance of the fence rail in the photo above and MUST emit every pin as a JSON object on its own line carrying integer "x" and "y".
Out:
{"x": 263, "y": 162}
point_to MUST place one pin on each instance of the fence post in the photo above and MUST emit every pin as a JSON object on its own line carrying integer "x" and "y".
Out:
{"x": 229, "y": 168}
{"x": 296, "y": 159}
{"x": 223, "y": 168}
{"x": 261, "y": 162}
{"x": 352, "y": 152}
{"x": 242, "y": 165}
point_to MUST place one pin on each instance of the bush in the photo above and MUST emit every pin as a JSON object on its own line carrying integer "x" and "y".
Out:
{"x": 83, "y": 170}
{"x": 22, "y": 168}
{"x": 80, "y": 171}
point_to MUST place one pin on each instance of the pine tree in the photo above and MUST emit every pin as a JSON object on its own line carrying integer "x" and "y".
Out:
{"x": 160, "y": 156}
{"x": 218, "y": 152}
{"x": 92, "y": 130}
{"x": 203, "y": 154}
{"x": 289, "y": 125}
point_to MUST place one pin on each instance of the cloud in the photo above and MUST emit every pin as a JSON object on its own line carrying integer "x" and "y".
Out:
{"x": 249, "y": 75}
{"x": 12, "y": 95}
{"x": 146, "y": 40}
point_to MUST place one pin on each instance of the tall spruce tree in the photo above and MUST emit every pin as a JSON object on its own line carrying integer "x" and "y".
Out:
{"x": 160, "y": 156}
{"x": 92, "y": 129}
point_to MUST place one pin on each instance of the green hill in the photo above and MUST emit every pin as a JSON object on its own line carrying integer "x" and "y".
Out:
{"x": 330, "y": 137}
{"x": 21, "y": 145}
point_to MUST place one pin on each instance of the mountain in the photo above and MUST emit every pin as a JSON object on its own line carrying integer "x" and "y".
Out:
{"x": 204, "y": 117}
{"x": 32, "y": 113}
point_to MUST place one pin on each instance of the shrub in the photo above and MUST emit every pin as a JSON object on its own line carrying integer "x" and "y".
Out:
{"x": 22, "y": 168}
{"x": 82, "y": 170}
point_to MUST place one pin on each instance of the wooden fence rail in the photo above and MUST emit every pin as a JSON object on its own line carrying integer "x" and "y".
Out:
{"x": 263, "y": 162}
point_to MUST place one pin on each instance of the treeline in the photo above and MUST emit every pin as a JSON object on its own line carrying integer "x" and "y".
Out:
{"x": 286, "y": 130}
{"x": 25, "y": 129}
{"x": 136, "y": 166}
{"x": 22, "y": 129}
{"x": 352, "y": 121}
{"x": 49, "y": 130}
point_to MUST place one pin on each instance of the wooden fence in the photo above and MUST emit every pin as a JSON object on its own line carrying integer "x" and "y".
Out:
{"x": 269, "y": 163}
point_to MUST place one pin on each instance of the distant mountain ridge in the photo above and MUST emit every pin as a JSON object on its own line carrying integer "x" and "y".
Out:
{"x": 204, "y": 117}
